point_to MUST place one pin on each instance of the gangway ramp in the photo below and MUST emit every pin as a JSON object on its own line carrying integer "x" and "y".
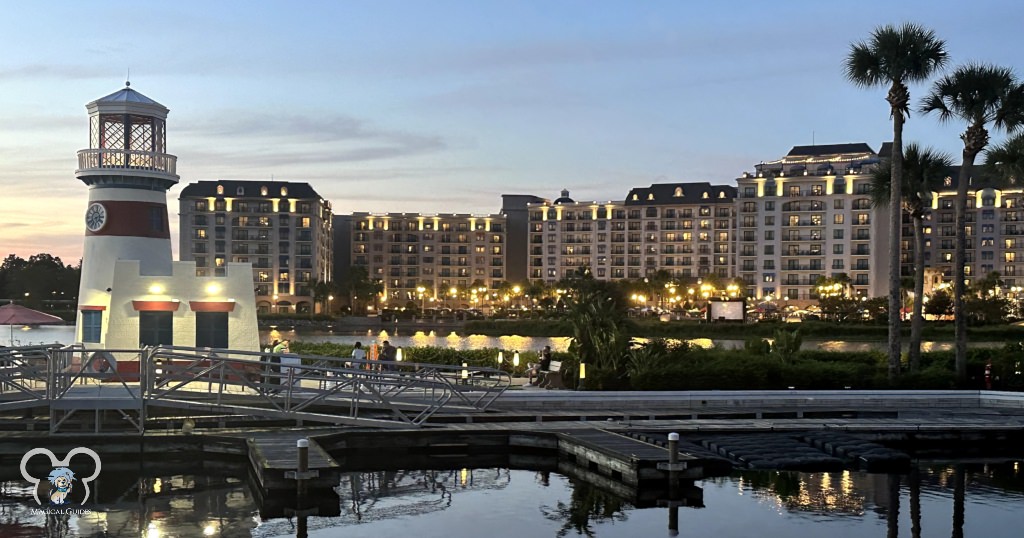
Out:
{"x": 127, "y": 384}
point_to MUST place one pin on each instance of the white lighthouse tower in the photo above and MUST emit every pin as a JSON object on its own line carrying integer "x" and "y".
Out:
{"x": 131, "y": 291}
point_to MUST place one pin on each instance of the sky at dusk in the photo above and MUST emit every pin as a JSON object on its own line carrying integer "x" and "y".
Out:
{"x": 434, "y": 106}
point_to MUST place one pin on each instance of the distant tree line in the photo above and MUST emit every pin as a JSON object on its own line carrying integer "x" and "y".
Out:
{"x": 42, "y": 282}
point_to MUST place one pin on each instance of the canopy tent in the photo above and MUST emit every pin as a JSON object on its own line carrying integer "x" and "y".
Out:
{"x": 13, "y": 314}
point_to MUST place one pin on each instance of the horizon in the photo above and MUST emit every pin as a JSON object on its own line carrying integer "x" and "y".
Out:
{"x": 381, "y": 112}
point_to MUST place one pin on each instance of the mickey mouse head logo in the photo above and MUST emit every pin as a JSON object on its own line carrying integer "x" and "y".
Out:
{"x": 61, "y": 478}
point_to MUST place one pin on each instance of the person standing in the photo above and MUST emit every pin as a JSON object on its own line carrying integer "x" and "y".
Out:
{"x": 388, "y": 354}
{"x": 358, "y": 353}
{"x": 273, "y": 368}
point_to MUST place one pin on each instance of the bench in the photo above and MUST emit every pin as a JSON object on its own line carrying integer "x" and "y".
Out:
{"x": 552, "y": 377}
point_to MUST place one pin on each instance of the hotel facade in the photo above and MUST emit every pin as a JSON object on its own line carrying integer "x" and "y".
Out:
{"x": 784, "y": 226}
{"x": 284, "y": 229}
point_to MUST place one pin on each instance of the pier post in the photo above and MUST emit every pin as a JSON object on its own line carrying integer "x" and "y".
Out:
{"x": 303, "y": 465}
{"x": 673, "y": 484}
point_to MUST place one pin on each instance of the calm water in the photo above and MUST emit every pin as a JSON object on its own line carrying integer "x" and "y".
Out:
{"x": 498, "y": 502}
{"x": 406, "y": 338}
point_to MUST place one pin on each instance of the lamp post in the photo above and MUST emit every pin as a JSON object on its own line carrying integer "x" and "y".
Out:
{"x": 277, "y": 309}
{"x": 329, "y": 299}
{"x": 421, "y": 290}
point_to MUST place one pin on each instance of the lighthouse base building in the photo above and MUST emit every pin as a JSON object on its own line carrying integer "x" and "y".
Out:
{"x": 132, "y": 294}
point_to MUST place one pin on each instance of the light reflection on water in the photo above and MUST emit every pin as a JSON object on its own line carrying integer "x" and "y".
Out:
{"x": 498, "y": 503}
{"x": 450, "y": 339}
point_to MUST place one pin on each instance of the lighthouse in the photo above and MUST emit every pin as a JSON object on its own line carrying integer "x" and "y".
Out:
{"x": 132, "y": 293}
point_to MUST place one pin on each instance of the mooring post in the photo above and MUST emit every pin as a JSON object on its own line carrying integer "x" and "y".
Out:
{"x": 673, "y": 483}
{"x": 303, "y": 465}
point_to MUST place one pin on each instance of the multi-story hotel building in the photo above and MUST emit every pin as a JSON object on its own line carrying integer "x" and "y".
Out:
{"x": 995, "y": 235}
{"x": 809, "y": 215}
{"x": 683, "y": 228}
{"x": 782, "y": 227}
{"x": 420, "y": 257}
{"x": 283, "y": 229}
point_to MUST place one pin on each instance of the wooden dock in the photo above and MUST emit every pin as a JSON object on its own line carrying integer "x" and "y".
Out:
{"x": 273, "y": 456}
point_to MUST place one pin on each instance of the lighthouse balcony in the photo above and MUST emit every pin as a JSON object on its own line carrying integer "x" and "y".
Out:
{"x": 113, "y": 161}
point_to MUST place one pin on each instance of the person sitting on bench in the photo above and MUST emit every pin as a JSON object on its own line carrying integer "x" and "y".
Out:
{"x": 533, "y": 374}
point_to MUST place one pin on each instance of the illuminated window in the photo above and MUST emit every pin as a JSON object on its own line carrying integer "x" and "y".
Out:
{"x": 678, "y": 193}
{"x": 220, "y": 189}
{"x": 263, "y": 190}
{"x": 284, "y": 191}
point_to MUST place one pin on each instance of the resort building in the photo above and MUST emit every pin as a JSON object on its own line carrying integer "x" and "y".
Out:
{"x": 995, "y": 233}
{"x": 686, "y": 229}
{"x": 132, "y": 293}
{"x": 809, "y": 215}
{"x": 430, "y": 260}
{"x": 283, "y": 229}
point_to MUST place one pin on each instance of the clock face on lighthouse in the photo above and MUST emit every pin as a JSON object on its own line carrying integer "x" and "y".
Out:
{"x": 95, "y": 217}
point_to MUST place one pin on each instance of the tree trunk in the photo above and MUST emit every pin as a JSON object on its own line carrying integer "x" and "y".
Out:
{"x": 959, "y": 263}
{"x": 895, "y": 229}
{"x": 917, "y": 319}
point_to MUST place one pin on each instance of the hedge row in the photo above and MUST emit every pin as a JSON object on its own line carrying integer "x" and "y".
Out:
{"x": 717, "y": 369}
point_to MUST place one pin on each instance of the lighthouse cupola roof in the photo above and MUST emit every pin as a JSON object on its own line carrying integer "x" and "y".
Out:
{"x": 127, "y": 101}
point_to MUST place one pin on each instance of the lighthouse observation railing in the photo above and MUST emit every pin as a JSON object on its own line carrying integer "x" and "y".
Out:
{"x": 90, "y": 159}
{"x": 72, "y": 381}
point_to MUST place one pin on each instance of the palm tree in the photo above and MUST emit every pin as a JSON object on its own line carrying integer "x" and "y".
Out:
{"x": 923, "y": 172}
{"x": 977, "y": 94}
{"x": 1004, "y": 163}
{"x": 896, "y": 56}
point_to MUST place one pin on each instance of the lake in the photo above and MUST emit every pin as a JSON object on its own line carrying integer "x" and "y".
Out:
{"x": 502, "y": 502}
{"x": 418, "y": 338}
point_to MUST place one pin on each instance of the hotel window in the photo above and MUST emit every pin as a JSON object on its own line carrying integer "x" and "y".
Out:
{"x": 282, "y": 276}
{"x": 837, "y": 203}
{"x": 200, "y": 233}
{"x": 838, "y": 218}
{"x": 769, "y": 206}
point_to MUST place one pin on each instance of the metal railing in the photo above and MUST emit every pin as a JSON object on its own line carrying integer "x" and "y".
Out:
{"x": 71, "y": 380}
{"x": 90, "y": 159}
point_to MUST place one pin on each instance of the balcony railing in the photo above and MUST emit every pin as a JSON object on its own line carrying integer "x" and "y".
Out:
{"x": 91, "y": 159}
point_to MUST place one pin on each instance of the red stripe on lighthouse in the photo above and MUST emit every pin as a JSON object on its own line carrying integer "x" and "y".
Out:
{"x": 134, "y": 219}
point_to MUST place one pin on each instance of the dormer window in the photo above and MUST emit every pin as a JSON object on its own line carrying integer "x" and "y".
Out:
{"x": 706, "y": 195}
{"x": 650, "y": 196}
{"x": 263, "y": 190}
{"x": 635, "y": 197}
{"x": 220, "y": 190}
{"x": 678, "y": 193}
{"x": 721, "y": 194}
{"x": 240, "y": 191}
{"x": 284, "y": 191}
{"x": 948, "y": 182}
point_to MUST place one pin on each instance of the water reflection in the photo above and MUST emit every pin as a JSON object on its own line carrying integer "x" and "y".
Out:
{"x": 451, "y": 339}
{"x": 957, "y": 499}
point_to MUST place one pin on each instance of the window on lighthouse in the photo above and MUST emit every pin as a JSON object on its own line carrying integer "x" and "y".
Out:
{"x": 92, "y": 324}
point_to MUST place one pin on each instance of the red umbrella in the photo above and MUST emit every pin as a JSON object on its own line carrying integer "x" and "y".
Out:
{"x": 13, "y": 314}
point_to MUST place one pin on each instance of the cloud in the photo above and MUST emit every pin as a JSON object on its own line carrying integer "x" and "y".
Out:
{"x": 299, "y": 139}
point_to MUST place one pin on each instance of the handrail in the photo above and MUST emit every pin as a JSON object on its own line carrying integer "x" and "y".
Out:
{"x": 104, "y": 158}
{"x": 274, "y": 385}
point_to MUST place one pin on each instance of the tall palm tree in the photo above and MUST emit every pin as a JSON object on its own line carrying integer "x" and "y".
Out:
{"x": 1004, "y": 163}
{"x": 923, "y": 172}
{"x": 978, "y": 94}
{"x": 895, "y": 56}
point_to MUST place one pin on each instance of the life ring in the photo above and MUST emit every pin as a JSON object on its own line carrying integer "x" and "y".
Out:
{"x": 100, "y": 362}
